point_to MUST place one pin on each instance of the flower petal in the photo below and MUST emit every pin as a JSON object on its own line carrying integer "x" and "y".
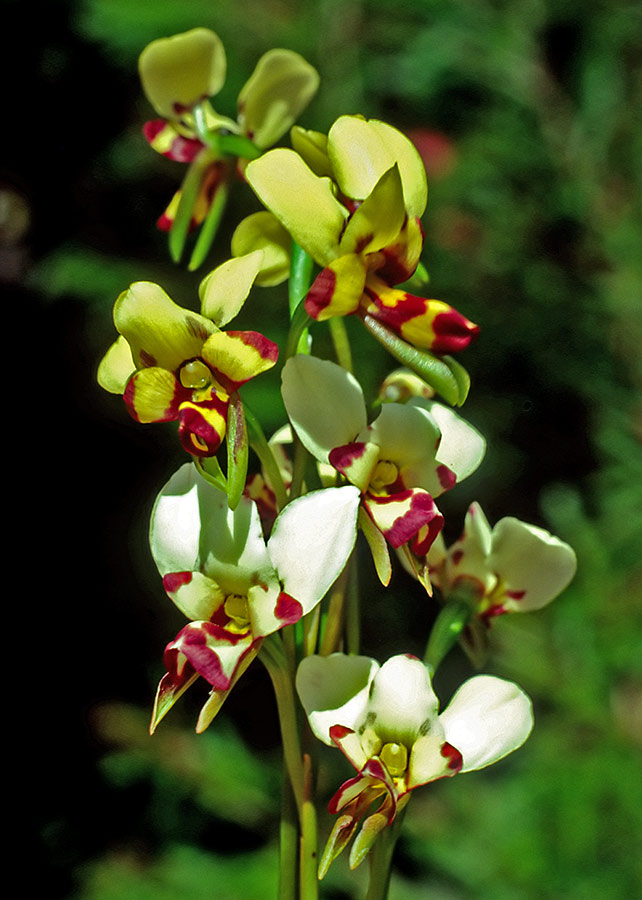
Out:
{"x": 116, "y": 367}
{"x": 224, "y": 291}
{"x": 196, "y": 595}
{"x": 533, "y": 565}
{"x": 159, "y": 332}
{"x": 486, "y": 719}
{"x": 312, "y": 147}
{"x": 337, "y": 289}
{"x": 180, "y": 71}
{"x": 402, "y": 704}
{"x": 462, "y": 447}
{"x": 304, "y": 203}
{"x": 432, "y": 324}
{"x": 401, "y": 516}
{"x": 334, "y": 690}
{"x": 153, "y": 395}
{"x": 279, "y": 89}
{"x": 311, "y": 541}
{"x": 324, "y": 402}
{"x": 379, "y": 219}
{"x": 212, "y": 651}
{"x": 263, "y": 231}
{"x": 237, "y": 356}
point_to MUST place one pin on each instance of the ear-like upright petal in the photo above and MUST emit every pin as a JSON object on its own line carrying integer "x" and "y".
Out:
{"x": 224, "y": 291}
{"x": 116, "y": 367}
{"x": 279, "y": 89}
{"x": 486, "y": 720}
{"x": 324, "y": 403}
{"x": 312, "y": 540}
{"x": 534, "y": 565}
{"x": 180, "y": 71}
{"x": 304, "y": 203}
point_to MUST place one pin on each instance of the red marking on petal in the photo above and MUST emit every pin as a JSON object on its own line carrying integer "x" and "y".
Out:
{"x": 195, "y": 643}
{"x": 492, "y": 612}
{"x": 266, "y": 348}
{"x": 457, "y": 557}
{"x": 196, "y": 434}
{"x": 421, "y": 512}
{"x": 288, "y": 609}
{"x": 425, "y": 538}
{"x": 447, "y": 478}
{"x": 175, "y": 580}
{"x": 320, "y": 294}
{"x": 453, "y": 332}
{"x": 452, "y": 754}
{"x": 343, "y": 457}
{"x": 340, "y": 731}
{"x": 516, "y": 595}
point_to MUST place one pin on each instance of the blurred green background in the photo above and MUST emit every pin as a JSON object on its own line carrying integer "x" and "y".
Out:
{"x": 527, "y": 114}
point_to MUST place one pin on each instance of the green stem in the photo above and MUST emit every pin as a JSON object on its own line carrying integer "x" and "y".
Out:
{"x": 288, "y": 844}
{"x": 297, "y": 341}
{"x": 260, "y": 445}
{"x": 380, "y": 860}
{"x": 339, "y": 335}
{"x": 449, "y": 624}
{"x": 309, "y": 859}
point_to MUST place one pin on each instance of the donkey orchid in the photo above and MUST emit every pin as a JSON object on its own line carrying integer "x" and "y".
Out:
{"x": 513, "y": 567}
{"x": 234, "y": 587}
{"x": 174, "y": 364}
{"x": 180, "y": 73}
{"x": 359, "y": 220}
{"x": 400, "y": 462}
{"x": 385, "y": 720}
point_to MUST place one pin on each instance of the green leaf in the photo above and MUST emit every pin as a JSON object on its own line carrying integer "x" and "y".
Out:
{"x": 237, "y": 451}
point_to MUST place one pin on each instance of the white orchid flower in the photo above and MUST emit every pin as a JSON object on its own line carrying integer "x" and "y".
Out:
{"x": 234, "y": 587}
{"x": 386, "y": 721}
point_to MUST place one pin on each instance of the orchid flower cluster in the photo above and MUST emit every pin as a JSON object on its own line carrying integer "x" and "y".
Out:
{"x": 262, "y": 563}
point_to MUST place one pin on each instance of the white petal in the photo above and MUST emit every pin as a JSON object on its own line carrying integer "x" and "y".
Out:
{"x": 334, "y": 691}
{"x": 534, "y": 565}
{"x": 312, "y": 540}
{"x": 324, "y": 403}
{"x": 462, "y": 447}
{"x": 486, "y": 719}
{"x": 176, "y": 523}
{"x": 403, "y": 704}
{"x": 468, "y": 557}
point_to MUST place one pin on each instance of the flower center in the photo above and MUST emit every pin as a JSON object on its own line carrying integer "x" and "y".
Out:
{"x": 236, "y": 608}
{"x": 395, "y": 758}
{"x": 195, "y": 375}
{"x": 385, "y": 473}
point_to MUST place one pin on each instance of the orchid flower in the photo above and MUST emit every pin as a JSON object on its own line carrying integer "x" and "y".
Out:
{"x": 174, "y": 364}
{"x": 234, "y": 587}
{"x": 385, "y": 720}
{"x": 400, "y": 462}
{"x": 353, "y": 202}
{"x": 513, "y": 567}
{"x": 180, "y": 73}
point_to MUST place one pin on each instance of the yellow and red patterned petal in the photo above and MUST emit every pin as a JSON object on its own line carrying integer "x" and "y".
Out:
{"x": 337, "y": 289}
{"x": 154, "y": 395}
{"x": 279, "y": 89}
{"x": 356, "y": 461}
{"x": 402, "y": 516}
{"x": 398, "y": 261}
{"x": 237, "y": 356}
{"x": 379, "y": 219}
{"x": 163, "y": 137}
{"x": 181, "y": 71}
{"x": 159, "y": 332}
{"x": 431, "y": 324}
{"x": 202, "y": 424}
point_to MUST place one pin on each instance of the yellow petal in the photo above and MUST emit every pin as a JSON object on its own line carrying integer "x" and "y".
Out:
{"x": 304, "y": 203}
{"x": 263, "y": 231}
{"x": 224, "y": 291}
{"x": 116, "y": 367}
{"x": 181, "y": 71}
{"x": 279, "y": 89}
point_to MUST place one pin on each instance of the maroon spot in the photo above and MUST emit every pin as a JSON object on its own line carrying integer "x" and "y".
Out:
{"x": 516, "y": 595}
{"x": 421, "y": 512}
{"x": 320, "y": 294}
{"x": 175, "y": 580}
{"x": 452, "y": 754}
{"x": 337, "y": 732}
{"x": 343, "y": 457}
{"x": 287, "y": 609}
{"x": 447, "y": 478}
{"x": 456, "y": 557}
{"x": 147, "y": 359}
{"x": 453, "y": 332}
{"x": 363, "y": 242}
